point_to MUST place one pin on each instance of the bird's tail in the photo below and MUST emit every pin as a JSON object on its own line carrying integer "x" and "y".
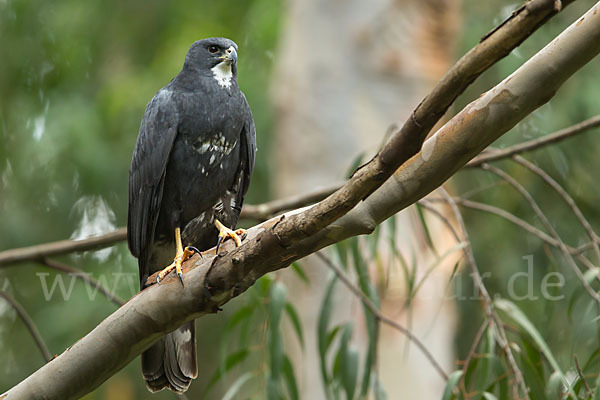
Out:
{"x": 171, "y": 362}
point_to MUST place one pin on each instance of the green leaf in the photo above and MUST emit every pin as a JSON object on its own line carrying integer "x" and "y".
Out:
{"x": 451, "y": 384}
{"x": 597, "y": 389}
{"x": 489, "y": 396}
{"x": 368, "y": 289}
{"x": 237, "y": 385}
{"x": 290, "y": 378}
{"x": 425, "y": 228}
{"x": 521, "y": 319}
{"x": 532, "y": 366}
{"x": 232, "y": 360}
{"x": 349, "y": 362}
{"x": 356, "y": 162}
{"x": 238, "y": 316}
{"x": 331, "y": 336}
{"x": 263, "y": 285}
{"x": 341, "y": 249}
{"x": 300, "y": 272}
{"x": 323, "y": 336}
{"x": 554, "y": 386}
{"x": 276, "y": 306}
{"x": 295, "y": 319}
{"x": 273, "y": 392}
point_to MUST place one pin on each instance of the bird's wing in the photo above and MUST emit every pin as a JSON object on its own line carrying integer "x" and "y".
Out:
{"x": 248, "y": 149}
{"x": 146, "y": 175}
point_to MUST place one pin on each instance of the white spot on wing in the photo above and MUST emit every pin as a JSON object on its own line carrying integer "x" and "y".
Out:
{"x": 184, "y": 336}
{"x": 222, "y": 73}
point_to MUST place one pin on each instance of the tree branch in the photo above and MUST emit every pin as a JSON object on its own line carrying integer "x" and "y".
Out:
{"x": 534, "y": 144}
{"x": 566, "y": 198}
{"x": 38, "y": 252}
{"x": 29, "y": 324}
{"x": 212, "y": 281}
{"x": 262, "y": 212}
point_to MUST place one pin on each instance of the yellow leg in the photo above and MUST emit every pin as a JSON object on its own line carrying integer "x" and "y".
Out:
{"x": 225, "y": 232}
{"x": 181, "y": 255}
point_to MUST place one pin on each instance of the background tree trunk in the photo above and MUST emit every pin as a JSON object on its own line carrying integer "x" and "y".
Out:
{"x": 346, "y": 70}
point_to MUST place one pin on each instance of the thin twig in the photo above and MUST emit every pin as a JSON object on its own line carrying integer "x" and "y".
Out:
{"x": 259, "y": 212}
{"x": 29, "y": 324}
{"x": 493, "y": 155}
{"x": 474, "y": 205}
{"x": 565, "y": 196}
{"x": 37, "y": 252}
{"x": 580, "y": 372}
{"x": 561, "y": 245}
{"x": 472, "y": 351}
{"x": 487, "y": 301}
{"x": 378, "y": 315}
{"x": 79, "y": 274}
{"x": 264, "y": 211}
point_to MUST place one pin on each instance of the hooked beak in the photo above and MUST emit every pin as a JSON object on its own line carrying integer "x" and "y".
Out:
{"x": 230, "y": 55}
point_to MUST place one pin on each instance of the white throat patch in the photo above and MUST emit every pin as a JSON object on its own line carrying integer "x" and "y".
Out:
{"x": 222, "y": 73}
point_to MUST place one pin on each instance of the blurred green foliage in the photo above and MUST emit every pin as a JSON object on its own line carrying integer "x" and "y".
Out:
{"x": 569, "y": 326}
{"x": 75, "y": 79}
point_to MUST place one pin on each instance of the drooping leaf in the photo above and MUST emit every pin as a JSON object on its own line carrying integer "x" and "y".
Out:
{"x": 489, "y": 396}
{"x": 295, "y": 319}
{"x": 238, "y": 316}
{"x": 453, "y": 380}
{"x": 300, "y": 272}
{"x": 428, "y": 238}
{"x": 232, "y": 360}
{"x": 275, "y": 342}
{"x": 597, "y": 389}
{"x": 237, "y": 385}
{"x": 369, "y": 290}
{"x": 348, "y": 358}
{"x": 554, "y": 386}
{"x": 521, "y": 319}
{"x": 356, "y": 162}
{"x": 323, "y": 335}
{"x": 290, "y": 378}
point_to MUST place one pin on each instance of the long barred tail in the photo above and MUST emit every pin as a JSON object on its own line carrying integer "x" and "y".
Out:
{"x": 171, "y": 362}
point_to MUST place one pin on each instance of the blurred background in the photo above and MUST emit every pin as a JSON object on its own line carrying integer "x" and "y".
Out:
{"x": 325, "y": 80}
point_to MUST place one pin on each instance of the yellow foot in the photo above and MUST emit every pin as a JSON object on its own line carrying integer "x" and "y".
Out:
{"x": 225, "y": 233}
{"x": 176, "y": 264}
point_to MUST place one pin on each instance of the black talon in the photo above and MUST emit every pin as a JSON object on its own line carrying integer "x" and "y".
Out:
{"x": 244, "y": 236}
{"x": 195, "y": 250}
{"x": 157, "y": 279}
{"x": 181, "y": 278}
{"x": 219, "y": 244}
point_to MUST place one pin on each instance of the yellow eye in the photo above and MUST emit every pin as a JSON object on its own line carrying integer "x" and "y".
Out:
{"x": 213, "y": 49}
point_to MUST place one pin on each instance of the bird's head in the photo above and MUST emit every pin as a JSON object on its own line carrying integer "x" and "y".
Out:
{"x": 207, "y": 54}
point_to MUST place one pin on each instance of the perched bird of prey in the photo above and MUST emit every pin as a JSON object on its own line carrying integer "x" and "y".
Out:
{"x": 189, "y": 174}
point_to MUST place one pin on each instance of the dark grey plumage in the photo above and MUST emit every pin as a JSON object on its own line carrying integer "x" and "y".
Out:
{"x": 191, "y": 165}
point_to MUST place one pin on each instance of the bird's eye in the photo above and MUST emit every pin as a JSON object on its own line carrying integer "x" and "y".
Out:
{"x": 213, "y": 49}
